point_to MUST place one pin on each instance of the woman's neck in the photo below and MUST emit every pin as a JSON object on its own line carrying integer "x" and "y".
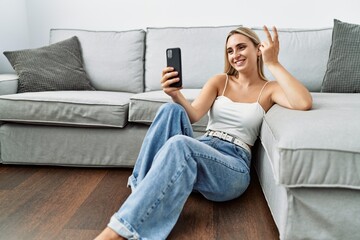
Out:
{"x": 247, "y": 79}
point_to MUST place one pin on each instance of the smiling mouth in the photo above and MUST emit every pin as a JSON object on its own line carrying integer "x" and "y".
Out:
{"x": 239, "y": 62}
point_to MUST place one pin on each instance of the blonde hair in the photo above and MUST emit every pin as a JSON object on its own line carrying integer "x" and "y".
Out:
{"x": 255, "y": 40}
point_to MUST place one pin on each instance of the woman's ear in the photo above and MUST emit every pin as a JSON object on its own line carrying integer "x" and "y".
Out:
{"x": 259, "y": 51}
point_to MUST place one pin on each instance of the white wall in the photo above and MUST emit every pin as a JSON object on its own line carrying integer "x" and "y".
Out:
{"x": 128, "y": 14}
{"x": 13, "y": 29}
{"x": 118, "y": 15}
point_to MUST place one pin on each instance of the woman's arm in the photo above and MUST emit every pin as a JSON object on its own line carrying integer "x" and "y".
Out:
{"x": 199, "y": 107}
{"x": 288, "y": 92}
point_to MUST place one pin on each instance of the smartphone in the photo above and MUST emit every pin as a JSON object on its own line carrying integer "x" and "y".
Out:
{"x": 173, "y": 59}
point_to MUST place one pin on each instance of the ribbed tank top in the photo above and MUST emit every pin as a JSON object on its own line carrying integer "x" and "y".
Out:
{"x": 242, "y": 120}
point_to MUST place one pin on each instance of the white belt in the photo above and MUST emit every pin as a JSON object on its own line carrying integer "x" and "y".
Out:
{"x": 229, "y": 138}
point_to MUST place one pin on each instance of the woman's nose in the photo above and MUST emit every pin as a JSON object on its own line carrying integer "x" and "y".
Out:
{"x": 237, "y": 53}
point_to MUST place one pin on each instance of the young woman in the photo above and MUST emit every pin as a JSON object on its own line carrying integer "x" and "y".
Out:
{"x": 171, "y": 163}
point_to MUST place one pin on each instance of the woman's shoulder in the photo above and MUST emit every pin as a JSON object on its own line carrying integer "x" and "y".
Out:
{"x": 218, "y": 78}
{"x": 267, "y": 87}
{"x": 271, "y": 85}
{"x": 216, "y": 82}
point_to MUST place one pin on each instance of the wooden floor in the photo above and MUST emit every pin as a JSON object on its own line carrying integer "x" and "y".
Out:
{"x": 76, "y": 203}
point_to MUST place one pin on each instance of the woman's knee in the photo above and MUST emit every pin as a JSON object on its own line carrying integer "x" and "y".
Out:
{"x": 171, "y": 107}
{"x": 175, "y": 152}
{"x": 179, "y": 146}
{"x": 180, "y": 141}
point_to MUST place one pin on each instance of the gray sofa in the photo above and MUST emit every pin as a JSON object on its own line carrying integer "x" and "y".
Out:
{"x": 308, "y": 162}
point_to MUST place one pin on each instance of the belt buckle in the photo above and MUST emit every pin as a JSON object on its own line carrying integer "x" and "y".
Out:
{"x": 228, "y": 137}
{"x": 223, "y": 135}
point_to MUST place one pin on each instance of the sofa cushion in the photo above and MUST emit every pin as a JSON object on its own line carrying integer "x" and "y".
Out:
{"x": 143, "y": 106}
{"x": 203, "y": 49}
{"x": 75, "y": 108}
{"x": 112, "y": 60}
{"x": 55, "y": 67}
{"x": 304, "y": 53}
{"x": 315, "y": 148}
{"x": 202, "y": 53}
{"x": 343, "y": 69}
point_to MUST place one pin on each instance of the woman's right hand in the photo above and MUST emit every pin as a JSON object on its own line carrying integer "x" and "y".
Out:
{"x": 169, "y": 76}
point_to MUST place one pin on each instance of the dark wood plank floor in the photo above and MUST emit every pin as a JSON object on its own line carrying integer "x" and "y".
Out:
{"x": 76, "y": 203}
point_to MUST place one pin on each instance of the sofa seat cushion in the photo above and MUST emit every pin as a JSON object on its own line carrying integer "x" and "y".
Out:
{"x": 76, "y": 108}
{"x": 143, "y": 106}
{"x": 316, "y": 148}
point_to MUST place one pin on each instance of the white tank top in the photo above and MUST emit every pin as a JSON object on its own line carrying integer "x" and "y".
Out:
{"x": 242, "y": 120}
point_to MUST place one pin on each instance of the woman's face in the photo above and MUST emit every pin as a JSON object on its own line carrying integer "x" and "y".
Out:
{"x": 241, "y": 52}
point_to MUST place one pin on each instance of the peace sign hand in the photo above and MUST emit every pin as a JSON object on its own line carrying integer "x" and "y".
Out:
{"x": 270, "y": 48}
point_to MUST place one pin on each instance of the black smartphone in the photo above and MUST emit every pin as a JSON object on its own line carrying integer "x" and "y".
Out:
{"x": 173, "y": 59}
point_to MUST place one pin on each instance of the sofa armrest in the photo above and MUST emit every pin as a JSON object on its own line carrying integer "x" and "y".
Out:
{"x": 8, "y": 83}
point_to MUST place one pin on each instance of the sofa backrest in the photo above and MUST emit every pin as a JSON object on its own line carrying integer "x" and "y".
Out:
{"x": 112, "y": 60}
{"x": 304, "y": 52}
{"x": 202, "y": 53}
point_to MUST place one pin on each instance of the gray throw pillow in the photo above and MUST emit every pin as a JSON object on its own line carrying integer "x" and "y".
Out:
{"x": 343, "y": 68}
{"x": 56, "y": 67}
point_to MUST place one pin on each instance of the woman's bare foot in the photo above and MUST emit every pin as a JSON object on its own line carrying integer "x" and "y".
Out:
{"x": 108, "y": 234}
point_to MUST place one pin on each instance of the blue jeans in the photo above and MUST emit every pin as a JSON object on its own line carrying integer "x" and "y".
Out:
{"x": 171, "y": 164}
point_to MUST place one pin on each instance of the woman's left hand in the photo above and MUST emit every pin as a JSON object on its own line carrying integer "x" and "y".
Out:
{"x": 270, "y": 48}
{"x": 287, "y": 91}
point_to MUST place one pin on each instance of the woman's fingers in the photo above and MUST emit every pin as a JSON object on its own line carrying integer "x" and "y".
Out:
{"x": 270, "y": 47}
{"x": 272, "y": 39}
{"x": 168, "y": 73}
{"x": 167, "y": 83}
{"x": 167, "y": 70}
{"x": 276, "y": 36}
{"x": 268, "y": 35}
{"x": 169, "y": 76}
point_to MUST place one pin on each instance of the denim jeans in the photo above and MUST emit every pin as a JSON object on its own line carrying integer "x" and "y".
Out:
{"x": 171, "y": 164}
